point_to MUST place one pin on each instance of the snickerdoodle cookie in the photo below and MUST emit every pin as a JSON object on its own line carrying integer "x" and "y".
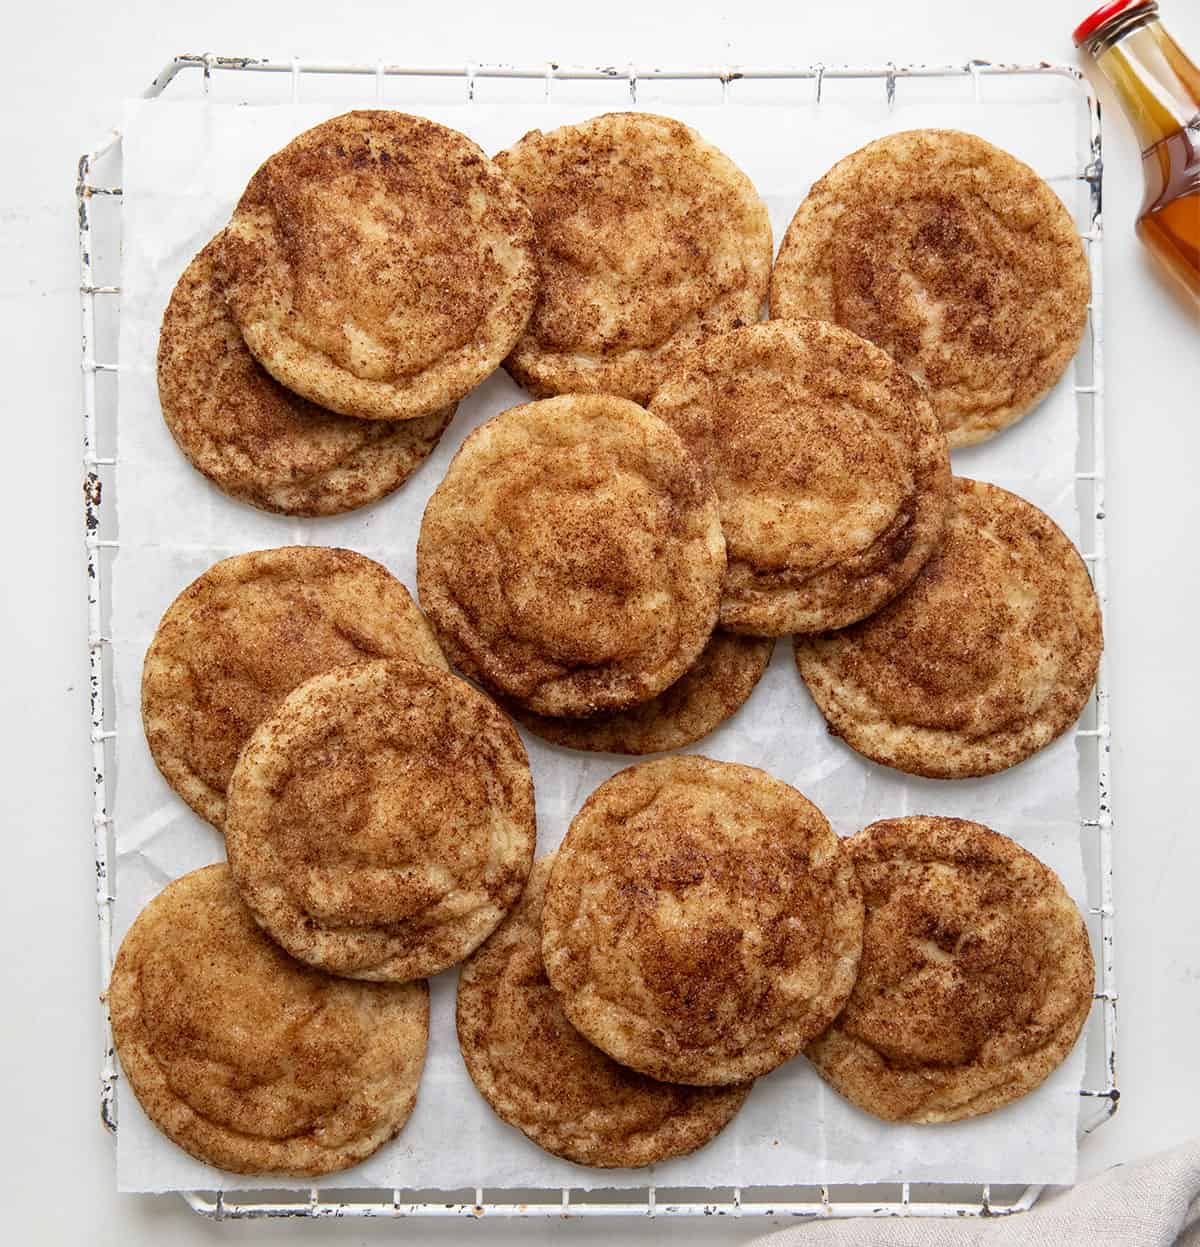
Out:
{"x": 648, "y": 240}
{"x": 976, "y": 974}
{"x": 572, "y": 558}
{"x": 240, "y": 637}
{"x": 380, "y": 823}
{"x": 831, "y": 469}
{"x": 701, "y": 923}
{"x": 989, "y": 655}
{"x": 256, "y": 440}
{"x": 379, "y": 265}
{"x": 244, "y": 1057}
{"x": 953, "y": 256}
{"x": 539, "y": 1074}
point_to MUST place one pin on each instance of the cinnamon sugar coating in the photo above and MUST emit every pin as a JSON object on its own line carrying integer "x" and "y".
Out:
{"x": 953, "y": 256}
{"x": 975, "y": 980}
{"x": 240, "y": 637}
{"x": 254, "y": 439}
{"x": 830, "y": 466}
{"x": 572, "y": 558}
{"x": 247, "y": 1059}
{"x": 381, "y": 822}
{"x": 701, "y": 923}
{"x": 539, "y": 1074}
{"x": 649, "y": 240}
{"x": 379, "y": 265}
{"x": 988, "y": 656}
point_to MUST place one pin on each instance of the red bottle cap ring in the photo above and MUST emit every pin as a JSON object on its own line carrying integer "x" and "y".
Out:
{"x": 1104, "y": 14}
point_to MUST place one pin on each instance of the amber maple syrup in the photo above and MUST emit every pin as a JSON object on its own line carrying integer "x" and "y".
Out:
{"x": 1170, "y": 219}
{"x": 1160, "y": 90}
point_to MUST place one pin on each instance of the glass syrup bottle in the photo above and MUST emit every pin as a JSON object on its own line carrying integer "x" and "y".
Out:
{"x": 1159, "y": 88}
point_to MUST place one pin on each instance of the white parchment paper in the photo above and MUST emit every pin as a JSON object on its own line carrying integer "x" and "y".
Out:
{"x": 185, "y": 165}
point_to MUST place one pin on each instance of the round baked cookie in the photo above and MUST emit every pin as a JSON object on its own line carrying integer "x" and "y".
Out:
{"x": 379, "y": 265}
{"x": 540, "y": 1075}
{"x": 648, "y": 240}
{"x": 381, "y": 822}
{"x": 257, "y": 441}
{"x": 975, "y": 980}
{"x": 701, "y": 922}
{"x": 714, "y": 688}
{"x": 988, "y": 656}
{"x": 247, "y": 1059}
{"x": 831, "y": 469}
{"x": 240, "y": 637}
{"x": 572, "y": 557}
{"x": 953, "y": 256}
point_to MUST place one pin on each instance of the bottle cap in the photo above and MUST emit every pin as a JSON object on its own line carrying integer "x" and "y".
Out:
{"x": 1104, "y": 14}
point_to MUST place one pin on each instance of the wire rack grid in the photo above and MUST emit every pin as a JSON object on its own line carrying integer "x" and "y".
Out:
{"x": 1098, "y": 1103}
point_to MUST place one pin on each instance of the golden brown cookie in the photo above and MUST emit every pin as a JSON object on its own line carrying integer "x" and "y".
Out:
{"x": 540, "y": 1075}
{"x": 988, "y": 656}
{"x": 648, "y": 240}
{"x": 953, "y": 256}
{"x": 380, "y": 822}
{"x": 975, "y": 980}
{"x": 247, "y": 1059}
{"x": 254, "y": 439}
{"x": 379, "y": 265}
{"x": 831, "y": 469}
{"x": 711, "y": 690}
{"x": 240, "y": 637}
{"x": 572, "y": 558}
{"x": 701, "y": 923}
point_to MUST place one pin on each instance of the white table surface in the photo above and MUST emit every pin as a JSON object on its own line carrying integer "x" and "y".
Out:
{"x": 67, "y": 68}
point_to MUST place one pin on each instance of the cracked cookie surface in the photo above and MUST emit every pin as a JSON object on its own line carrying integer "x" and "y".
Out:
{"x": 954, "y": 257}
{"x": 247, "y": 1059}
{"x": 976, "y": 974}
{"x": 240, "y": 637}
{"x": 989, "y": 655}
{"x": 831, "y": 470}
{"x": 649, "y": 239}
{"x": 254, "y": 439}
{"x": 379, "y": 265}
{"x": 701, "y": 923}
{"x": 540, "y": 1075}
{"x": 381, "y": 822}
{"x": 572, "y": 558}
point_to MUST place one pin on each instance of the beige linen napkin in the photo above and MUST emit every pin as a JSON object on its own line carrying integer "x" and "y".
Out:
{"x": 1154, "y": 1203}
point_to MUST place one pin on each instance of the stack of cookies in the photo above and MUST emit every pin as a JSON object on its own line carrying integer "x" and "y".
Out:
{"x": 379, "y": 822}
{"x": 610, "y": 565}
{"x": 570, "y": 560}
{"x": 375, "y": 270}
{"x": 701, "y": 924}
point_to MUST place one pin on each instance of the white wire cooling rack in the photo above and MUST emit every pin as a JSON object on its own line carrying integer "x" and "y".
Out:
{"x": 99, "y": 198}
